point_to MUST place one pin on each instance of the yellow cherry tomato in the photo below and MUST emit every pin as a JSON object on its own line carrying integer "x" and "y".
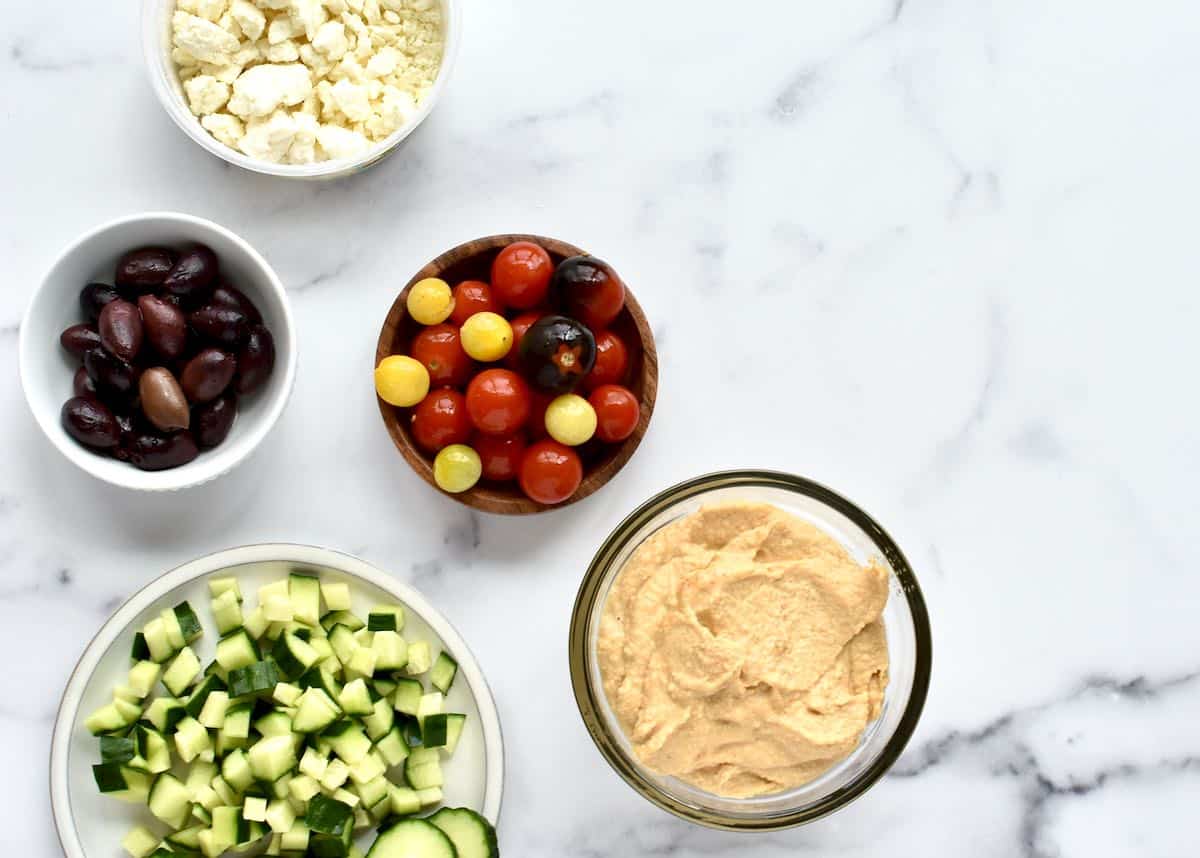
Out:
{"x": 486, "y": 336}
{"x": 456, "y": 468}
{"x": 570, "y": 419}
{"x": 401, "y": 380}
{"x": 430, "y": 301}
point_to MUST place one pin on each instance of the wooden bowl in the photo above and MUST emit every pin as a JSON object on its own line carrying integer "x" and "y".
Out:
{"x": 473, "y": 261}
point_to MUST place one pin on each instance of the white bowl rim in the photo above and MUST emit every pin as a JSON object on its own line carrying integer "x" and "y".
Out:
{"x": 335, "y": 168}
{"x": 162, "y": 481}
{"x": 118, "y": 623}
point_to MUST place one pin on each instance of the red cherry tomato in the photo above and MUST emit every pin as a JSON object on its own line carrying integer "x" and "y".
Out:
{"x": 612, "y": 359}
{"x": 441, "y": 419}
{"x": 521, "y": 275}
{"x": 498, "y": 401}
{"x": 536, "y": 424}
{"x": 550, "y": 472}
{"x": 471, "y": 297}
{"x": 500, "y": 455}
{"x": 439, "y": 347}
{"x": 520, "y": 325}
{"x": 617, "y": 412}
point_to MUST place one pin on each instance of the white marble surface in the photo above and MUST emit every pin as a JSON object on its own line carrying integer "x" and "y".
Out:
{"x": 938, "y": 254}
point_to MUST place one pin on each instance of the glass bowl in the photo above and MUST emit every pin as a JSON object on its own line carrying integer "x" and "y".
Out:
{"x": 905, "y": 621}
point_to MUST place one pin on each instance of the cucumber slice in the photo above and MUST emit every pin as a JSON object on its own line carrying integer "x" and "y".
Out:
{"x": 412, "y": 838}
{"x": 472, "y": 835}
{"x": 305, "y": 593}
{"x": 441, "y": 675}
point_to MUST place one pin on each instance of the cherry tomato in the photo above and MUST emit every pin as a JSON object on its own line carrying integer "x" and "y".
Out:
{"x": 536, "y": 424}
{"x": 550, "y": 472}
{"x": 441, "y": 419}
{"x": 612, "y": 359}
{"x": 587, "y": 289}
{"x": 439, "y": 348}
{"x": 520, "y": 325}
{"x": 617, "y": 412}
{"x": 498, "y": 401}
{"x": 471, "y": 297}
{"x": 521, "y": 275}
{"x": 501, "y": 455}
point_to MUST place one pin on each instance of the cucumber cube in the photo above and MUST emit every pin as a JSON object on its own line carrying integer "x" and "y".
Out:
{"x": 337, "y": 595}
{"x": 255, "y": 809}
{"x": 139, "y": 842}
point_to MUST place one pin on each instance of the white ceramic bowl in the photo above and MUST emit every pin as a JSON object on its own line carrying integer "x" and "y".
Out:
{"x": 47, "y": 370}
{"x": 91, "y": 825}
{"x": 156, "y": 45}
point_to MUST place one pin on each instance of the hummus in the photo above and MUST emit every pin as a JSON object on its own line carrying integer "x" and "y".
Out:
{"x": 742, "y": 650}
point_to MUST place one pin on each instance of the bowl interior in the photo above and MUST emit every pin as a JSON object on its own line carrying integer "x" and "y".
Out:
{"x": 904, "y": 620}
{"x": 91, "y": 824}
{"x": 473, "y": 261}
{"x": 47, "y": 370}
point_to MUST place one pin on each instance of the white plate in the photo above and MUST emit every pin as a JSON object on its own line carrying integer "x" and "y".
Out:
{"x": 91, "y": 825}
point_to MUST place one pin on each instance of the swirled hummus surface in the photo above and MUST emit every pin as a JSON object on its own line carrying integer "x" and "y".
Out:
{"x": 742, "y": 650}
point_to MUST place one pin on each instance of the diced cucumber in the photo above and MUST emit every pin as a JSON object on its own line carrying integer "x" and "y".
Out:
{"x": 392, "y": 747}
{"x": 110, "y": 777}
{"x": 336, "y": 774}
{"x": 386, "y": 618}
{"x": 336, "y": 595}
{"x": 153, "y": 752}
{"x": 200, "y": 775}
{"x": 454, "y": 728}
{"x": 472, "y": 835}
{"x": 139, "y": 842}
{"x": 235, "y": 769}
{"x": 431, "y": 796}
{"x": 381, "y": 719}
{"x": 237, "y": 720}
{"x": 423, "y": 769}
{"x": 280, "y": 816}
{"x": 361, "y": 663}
{"x": 258, "y": 678}
{"x": 124, "y": 692}
{"x": 373, "y": 791}
{"x": 187, "y": 840}
{"x": 303, "y": 787}
{"x": 345, "y": 618}
{"x": 272, "y": 757}
{"x": 140, "y": 651}
{"x": 277, "y": 722}
{"x": 419, "y": 658}
{"x": 142, "y": 677}
{"x": 431, "y": 704}
{"x": 441, "y": 675}
{"x": 199, "y": 696}
{"x": 164, "y": 713}
{"x": 107, "y": 719}
{"x": 315, "y": 711}
{"x": 255, "y": 623}
{"x": 287, "y": 694}
{"x": 367, "y": 769}
{"x": 254, "y": 809}
{"x": 434, "y": 730}
{"x": 391, "y": 652}
{"x": 172, "y": 629}
{"x": 293, "y": 655}
{"x": 226, "y": 827}
{"x": 404, "y": 800}
{"x": 305, "y": 593}
{"x": 170, "y": 801}
{"x": 117, "y": 749}
{"x": 215, "y": 707}
{"x": 348, "y": 741}
{"x": 181, "y": 672}
{"x": 355, "y": 699}
{"x": 227, "y": 611}
{"x": 188, "y": 622}
{"x": 225, "y": 791}
{"x": 408, "y": 696}
{"x": 328, "y": 815}
{"x": 323, "y": 680}
{"x": 159, "y": 647}
{"x": 191, "y": 739}
{"x": 412, "y": 838}
{"x": 277, "y": 609}
{"x": 341, "y": 639}
{"x": 217, "y": 586}
{"x": 237, "y": 649}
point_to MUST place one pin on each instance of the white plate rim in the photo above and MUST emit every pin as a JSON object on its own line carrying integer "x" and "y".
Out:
{"x": 118, "y": 623}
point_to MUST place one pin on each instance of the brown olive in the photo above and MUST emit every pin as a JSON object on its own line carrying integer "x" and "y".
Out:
{"x": 165, "y": 324}
{"x": 193, "y": 274}
{"x": 256, "y": 360}
{"x": 153, "y": 452}
{"x": 143, "y": 269}
{"x": 93, "y": 297}
{"x": 90, "y": 422}
{"x": 226, "y": 296}
{"x": 212, "y": 421}
{"x": 163, "y": 401}
{"x": 112, "y": 375}
{"x": 207, "y": 375}
{"x": 121, "y": 329}
{"x": 82, "y": 383}
{"x": 224, "y": 325}
{"x": 79, "y": 339}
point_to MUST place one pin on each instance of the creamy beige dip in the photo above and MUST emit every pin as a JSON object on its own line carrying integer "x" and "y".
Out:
{"x": 742, "y": 650}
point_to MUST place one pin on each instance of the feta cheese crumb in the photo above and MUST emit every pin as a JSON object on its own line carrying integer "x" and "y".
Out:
{"x": 331, "y": 40}
{"x": 284, "y": 52}
{"x": 206, "y": 94}
{"x": 261, "y": 89}
{"x": 339, "y": 142}
{"x": 203, "y": 39}
{"x": 250, "y": 19}
{"x": 227, "y": 129}
{"x": 352, "y": 100}
{"x": 269, "y": 139}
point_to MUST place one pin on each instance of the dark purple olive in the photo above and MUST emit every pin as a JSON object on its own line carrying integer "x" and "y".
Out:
{"x": 194, "y": 273}
{"x": 80, "y": 339}
{"x": 226, "y": 296}
{"x": 144, "y": 269}
{"x": 127, "y": 425}
{"x": 89, "y": 422}
{"x": 207, "y": 375}
{"x": 121, "y": 329}
{"x": 223, "y": 325}
{"x": 153, "y": 452}
{"x": 82, "y": 383}
{"x": 163, "y": 401}
{"x": 165, "y": 324}
{"x": 93, "y": 297}
{"x": 112, "y": 375}
{"x": 212, "y": 421}
{"x": 256, "y": 360}
{"x": 556, "y": 353}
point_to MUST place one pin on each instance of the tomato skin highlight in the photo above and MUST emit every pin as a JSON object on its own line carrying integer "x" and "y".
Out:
{"x": 521, "y": 275}
{"x": 441, "y": 419}
{"x": 617, "y": 412}
{"x": 498, "y": 401}
{"x": 550, "y": 472}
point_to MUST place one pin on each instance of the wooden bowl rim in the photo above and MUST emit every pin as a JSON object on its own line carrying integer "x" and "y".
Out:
{"x": 484, "y": 497}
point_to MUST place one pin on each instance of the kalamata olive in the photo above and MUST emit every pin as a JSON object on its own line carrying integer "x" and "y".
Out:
{"x": 90, "y": 422}
{"x": 112, "y": 375}
{"x": 207, "y": 375}
{"x": 194, "y": 272}
{"x": 256, "y": 360}
{"x": 128, "y": 426}
{"x": 224, "y": 325}
{"x": 82, "y": 383}
{"x": 93, "y": 297}
{"x": 163, "y": 401}
{"x": 121, "y": 329}
{"x": 153, "y": 452}
{"x": 165, "y": 324}
{"x": 79, "y": 339}
{"x": 212, "y": 421}
{"x": 143, "y": 269}
{"x": 226, "y": 296}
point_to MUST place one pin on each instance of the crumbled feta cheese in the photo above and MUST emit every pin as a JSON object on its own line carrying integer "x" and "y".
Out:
{"x": 383, "y": 63}
{"x": 271, "y": 4}
{"x": 352, "y": 100}
{"x": 269, "y": 139}
{"x": 203, "y": 39}
{"x": 284, "y": 52}
{"x": 250, "y": 19}
{"x": 227, "y": 129}
{"x": 339, "y": 142}
{"x": 281, "y": 29}
{"x": 212, "y": 10}
{"x": 331, "y": 40}
{"x": 304, "y": 145}
{"x": 261, "y": 89}
{"x": 308, "y": 15}
{"x": 206, "y": 94}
